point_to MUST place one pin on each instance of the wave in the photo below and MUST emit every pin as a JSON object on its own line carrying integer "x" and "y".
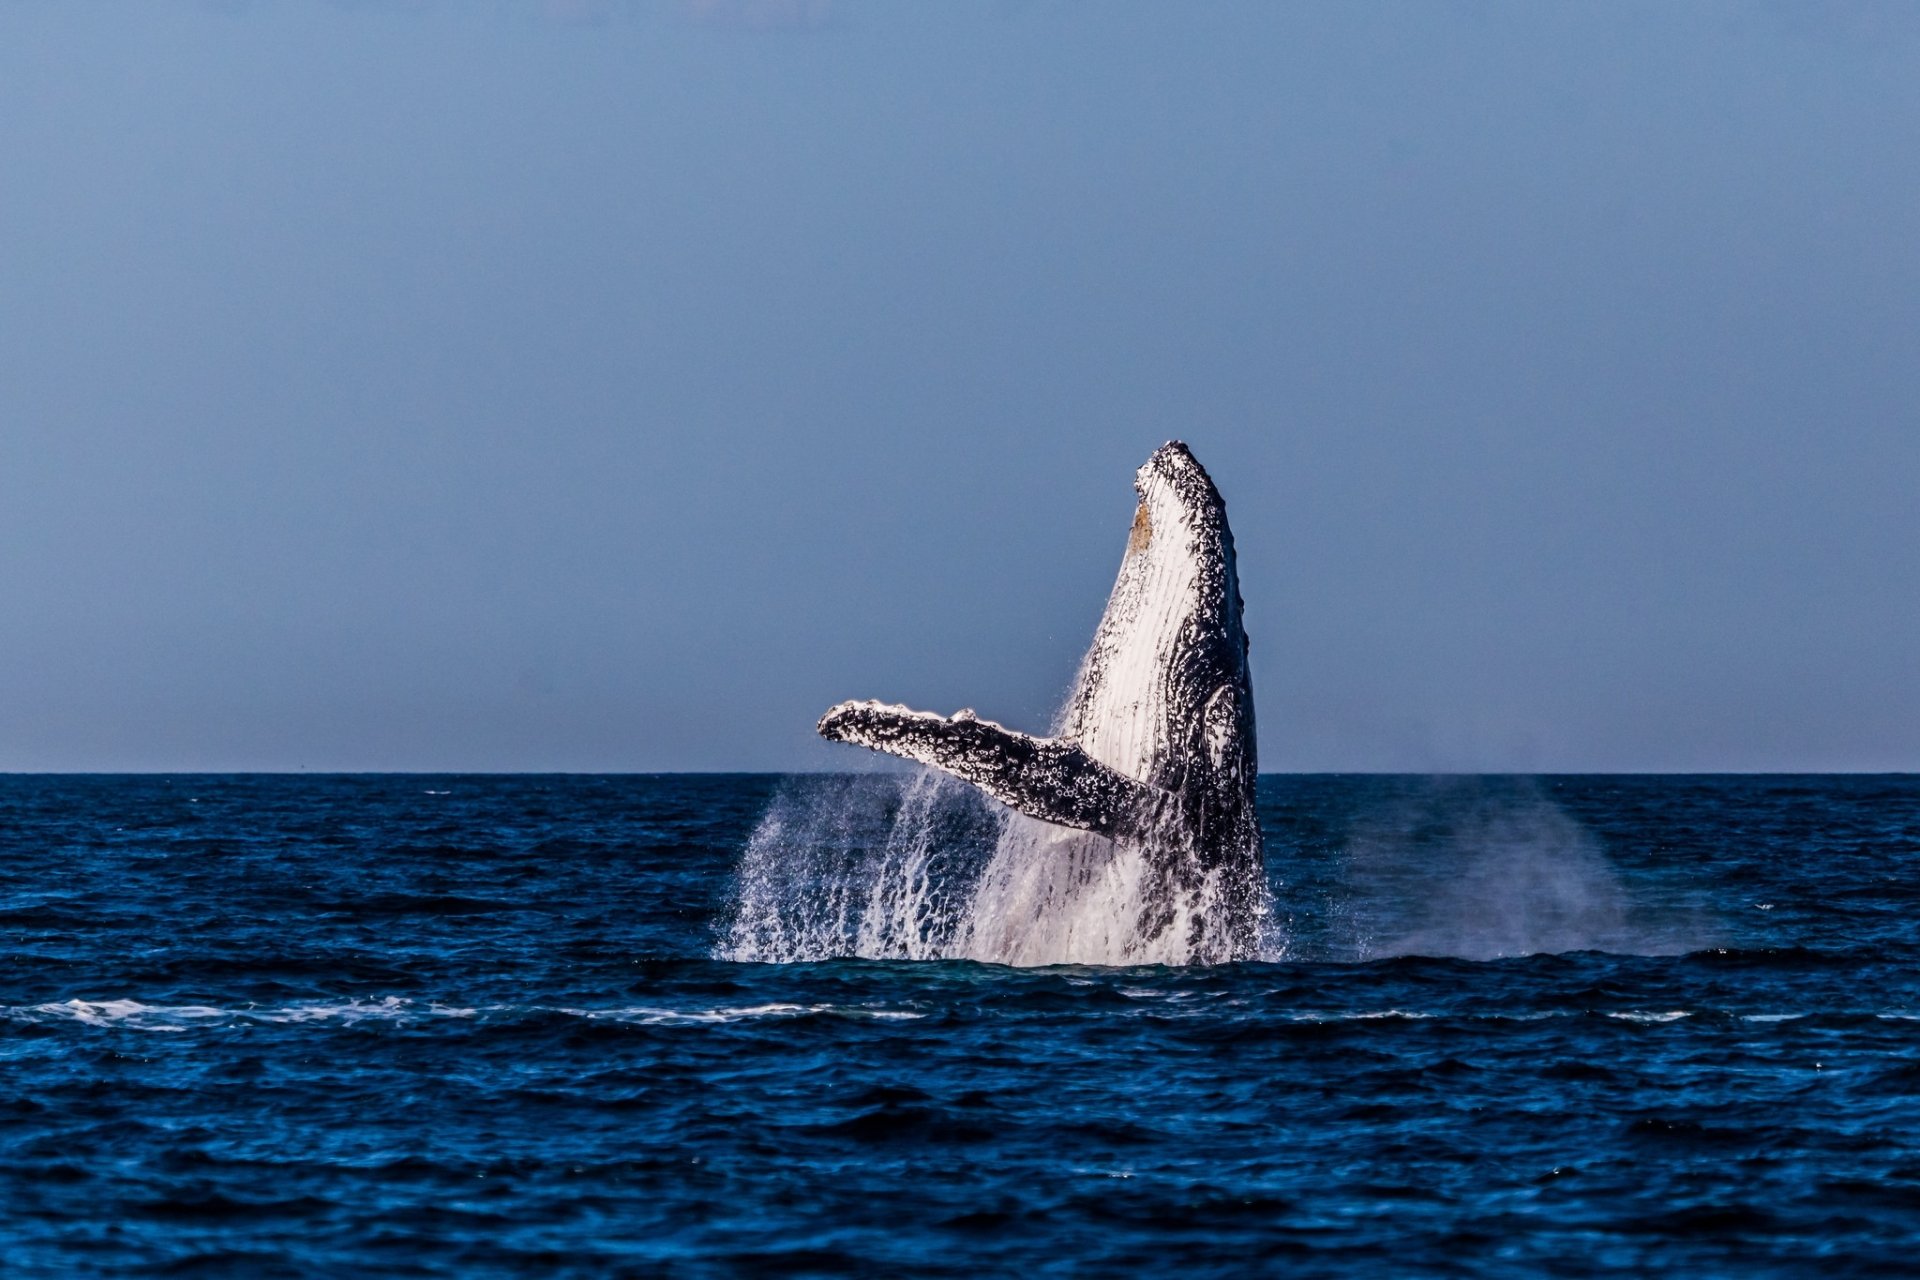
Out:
{"x": 139, "y": 1016}
{"x": 1230, "y": 1012}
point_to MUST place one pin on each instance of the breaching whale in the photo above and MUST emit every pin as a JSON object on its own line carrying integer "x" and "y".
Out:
{"x": 1154, "y": 751}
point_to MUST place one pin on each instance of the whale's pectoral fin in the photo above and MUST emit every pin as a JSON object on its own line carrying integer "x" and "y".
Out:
{"x": 1047, "y": 778}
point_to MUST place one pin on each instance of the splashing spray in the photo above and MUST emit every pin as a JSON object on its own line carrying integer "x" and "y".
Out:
{"x": 916, "y": 867}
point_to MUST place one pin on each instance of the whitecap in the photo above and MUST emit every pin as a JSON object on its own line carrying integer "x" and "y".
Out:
{"x": 1371, "y": 1015}
{"x": 140, "y": 1016}
{"x": 647, "y": 1015}
{"x": 133, "y": 1013}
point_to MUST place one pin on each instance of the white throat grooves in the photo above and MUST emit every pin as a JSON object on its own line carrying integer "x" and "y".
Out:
{"x": 1115, "y": 713}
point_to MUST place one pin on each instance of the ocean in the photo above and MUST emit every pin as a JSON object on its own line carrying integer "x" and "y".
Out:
{"x": 702, "y": 1025}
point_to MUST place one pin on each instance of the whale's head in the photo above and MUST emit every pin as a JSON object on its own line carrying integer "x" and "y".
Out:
{"x": 1177, "y": 498}
{"x": 1171, "y": 638}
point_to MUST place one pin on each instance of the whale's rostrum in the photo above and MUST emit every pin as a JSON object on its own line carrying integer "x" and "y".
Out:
{"x": 1147, "y": 779}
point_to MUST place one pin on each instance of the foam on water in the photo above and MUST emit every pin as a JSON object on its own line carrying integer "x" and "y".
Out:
{"x": 136, "y": 1015}
{"x": 141, "y": 1016}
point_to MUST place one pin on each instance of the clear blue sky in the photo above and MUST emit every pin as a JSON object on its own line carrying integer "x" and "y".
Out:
{"x": 602, "y": 385}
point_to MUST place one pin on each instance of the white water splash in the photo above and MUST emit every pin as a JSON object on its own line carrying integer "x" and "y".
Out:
{"x": 864, "y": 866}
{"x": 918, "y": 867}
{"x": 1052, "y": 896}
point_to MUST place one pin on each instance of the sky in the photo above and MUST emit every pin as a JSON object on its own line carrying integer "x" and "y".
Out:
{"x": 616, "y": 384}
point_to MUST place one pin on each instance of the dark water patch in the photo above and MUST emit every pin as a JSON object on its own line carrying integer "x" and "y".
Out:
{"x": 436, "y": 904}
{"x": 202, "y": 1205}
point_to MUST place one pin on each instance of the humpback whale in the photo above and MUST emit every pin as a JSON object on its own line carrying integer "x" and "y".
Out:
{"x": 1153, "y": 754}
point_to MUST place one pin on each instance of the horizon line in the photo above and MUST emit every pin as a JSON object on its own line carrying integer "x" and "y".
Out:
{"x": 855, "y": 773}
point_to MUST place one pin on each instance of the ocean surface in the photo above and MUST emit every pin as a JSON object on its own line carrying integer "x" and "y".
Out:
{"x": 549, "y": 1026}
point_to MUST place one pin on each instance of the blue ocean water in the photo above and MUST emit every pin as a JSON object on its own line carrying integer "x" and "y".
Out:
{"x": 474, "y": 1026}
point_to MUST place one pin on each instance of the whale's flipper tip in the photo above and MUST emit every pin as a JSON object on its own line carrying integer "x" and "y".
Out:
{"x": 1051, "y": 779}
{"x": 853, "y": 720}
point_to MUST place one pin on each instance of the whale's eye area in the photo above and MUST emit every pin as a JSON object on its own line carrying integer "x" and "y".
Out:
{"x": 1142, "y": 530}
